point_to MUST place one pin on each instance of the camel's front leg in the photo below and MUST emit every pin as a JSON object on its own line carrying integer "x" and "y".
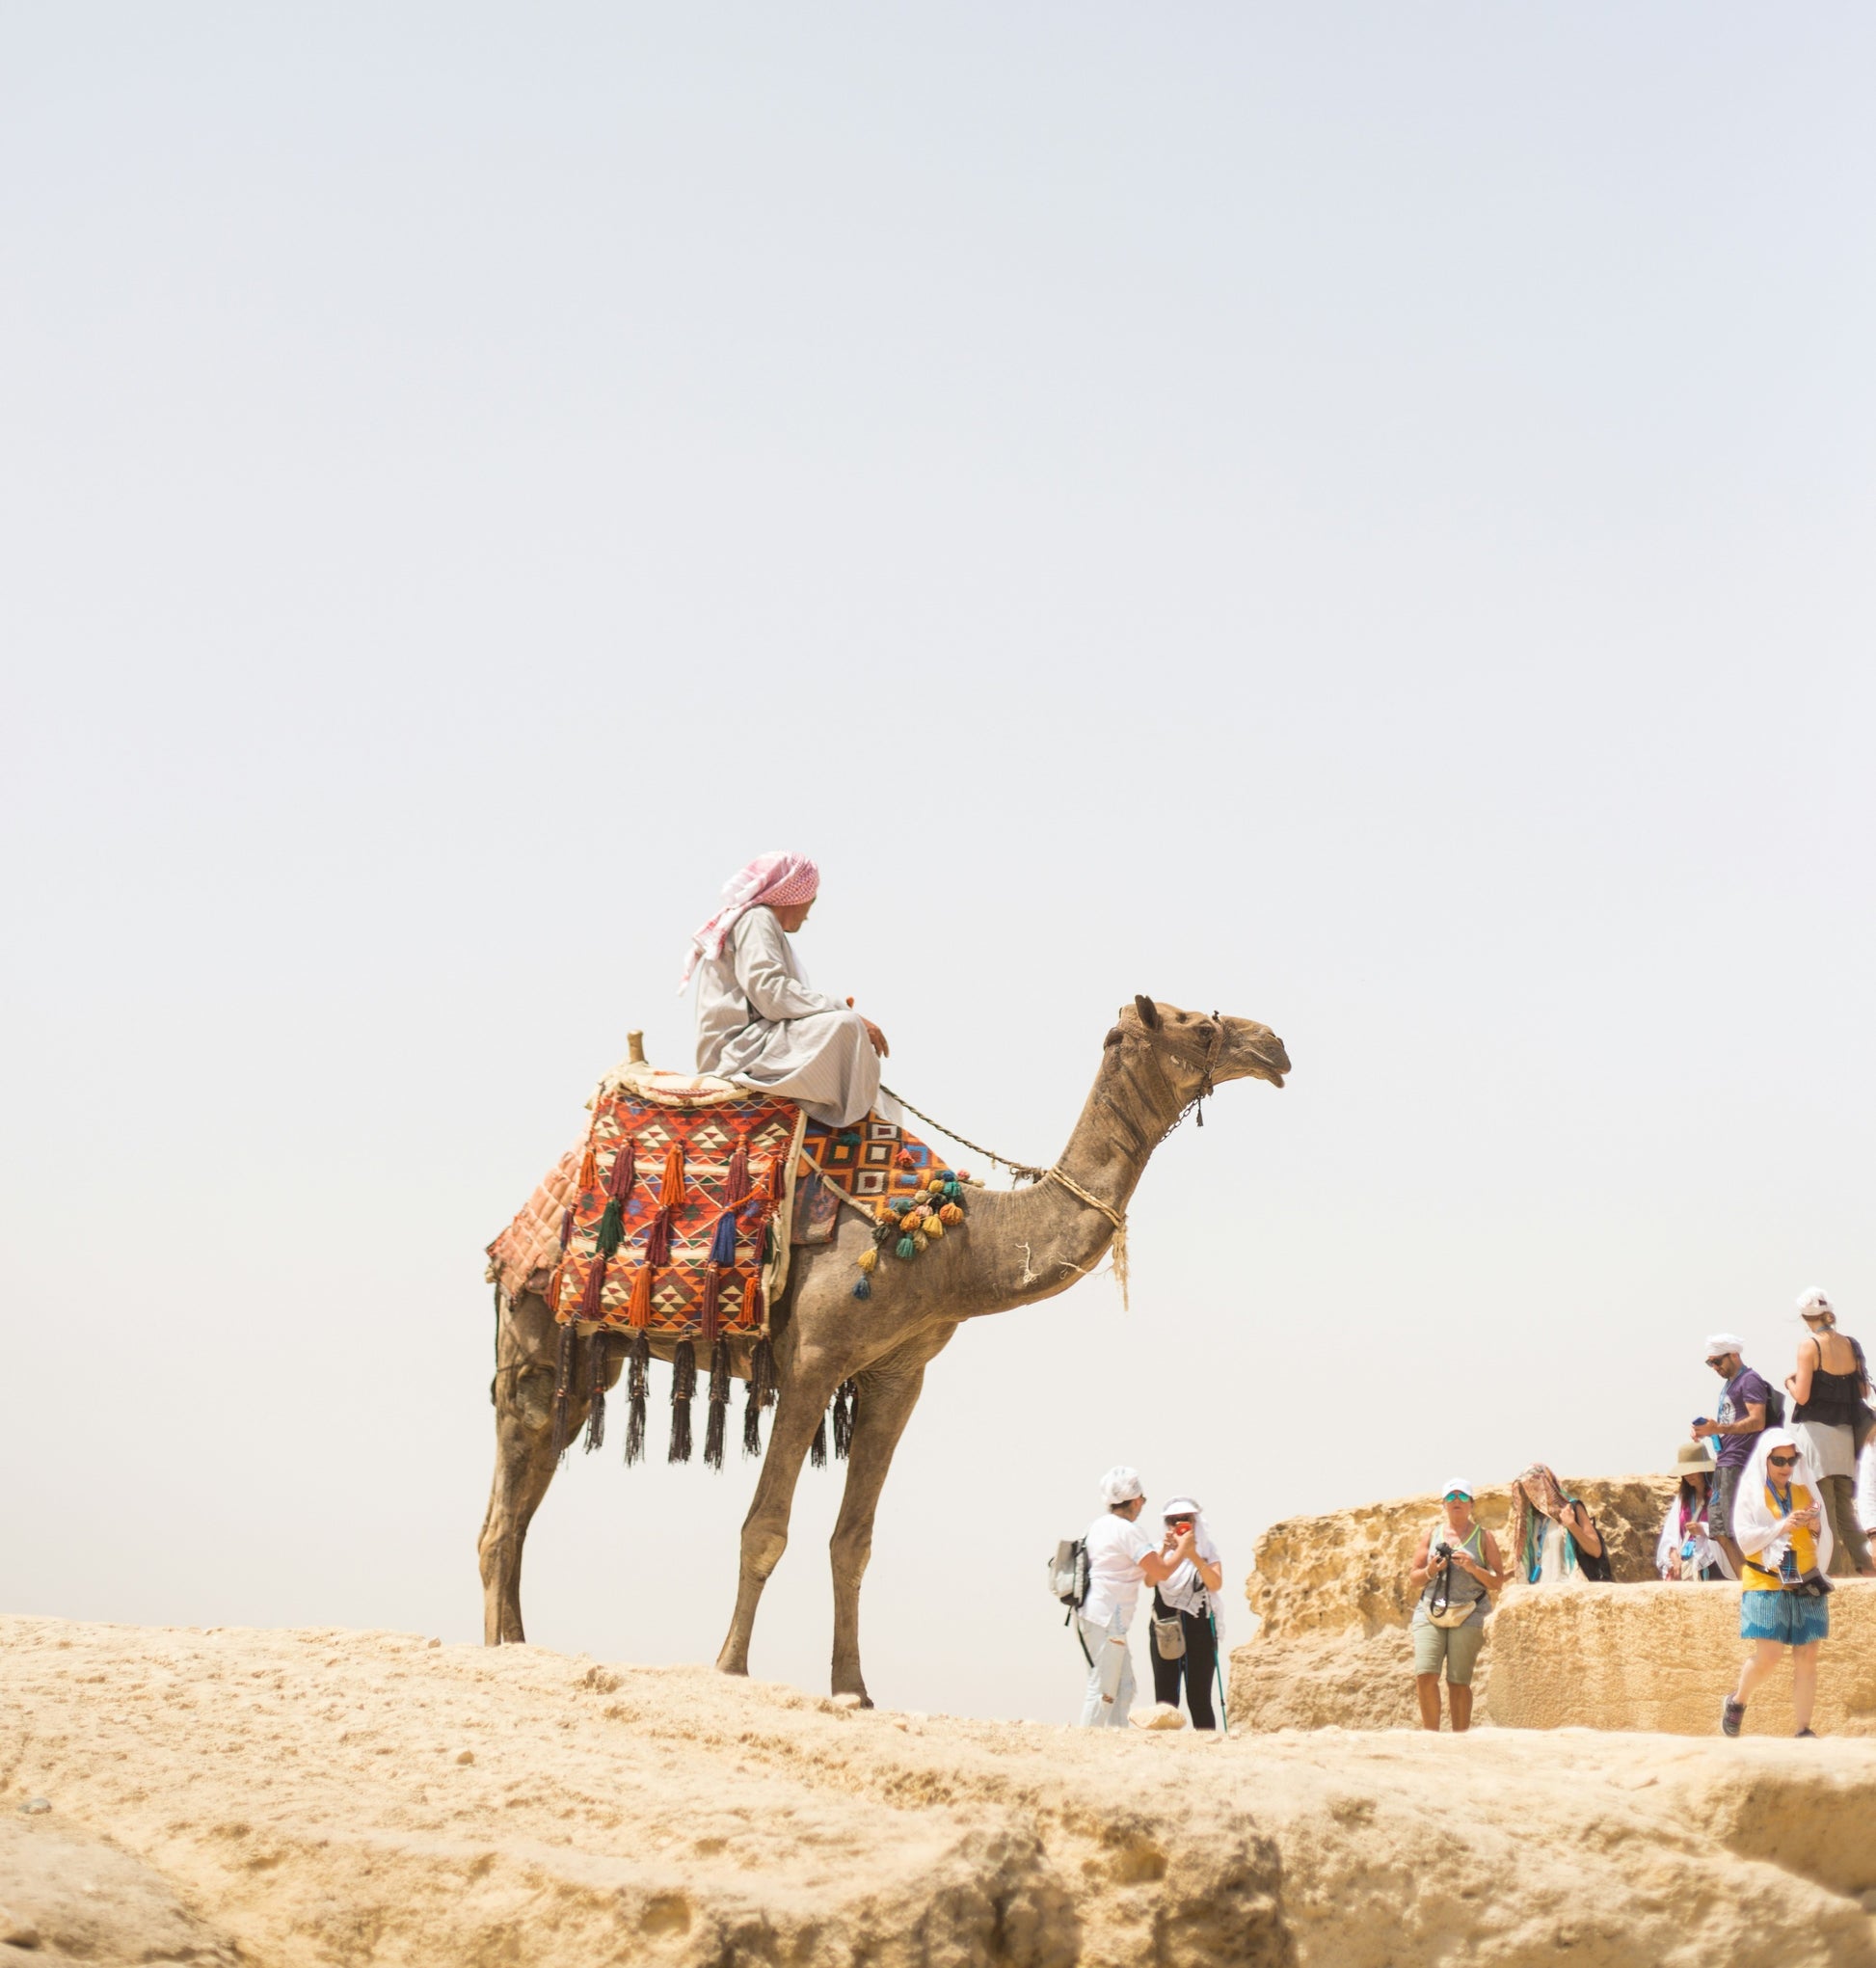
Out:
{"x": 527, "y": 1368}
{"x": 801, "y": 1404}
{"x": 887, "y": 1395}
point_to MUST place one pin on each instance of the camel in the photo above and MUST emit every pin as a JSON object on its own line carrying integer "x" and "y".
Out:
{"x": 1017, "y": 1247}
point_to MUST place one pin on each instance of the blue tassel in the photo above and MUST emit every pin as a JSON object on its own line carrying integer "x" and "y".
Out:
{"x": 864, "y": 1290}
{"x": 723, "y": 1246}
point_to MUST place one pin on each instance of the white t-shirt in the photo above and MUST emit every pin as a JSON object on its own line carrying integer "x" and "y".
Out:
{"x": 1114, "y": 1548}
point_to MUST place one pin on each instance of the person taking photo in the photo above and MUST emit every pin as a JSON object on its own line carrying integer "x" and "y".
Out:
{"x": 1457, "y": 1566}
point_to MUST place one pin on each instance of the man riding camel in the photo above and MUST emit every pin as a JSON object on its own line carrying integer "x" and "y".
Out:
{"x": 759, "y": 1021}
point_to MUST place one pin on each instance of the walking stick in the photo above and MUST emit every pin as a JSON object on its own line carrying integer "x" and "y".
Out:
{"x": 1217, "y": 1667}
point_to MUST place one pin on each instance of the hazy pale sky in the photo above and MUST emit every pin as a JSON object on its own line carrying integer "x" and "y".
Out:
{"x": 1356, "y": 515}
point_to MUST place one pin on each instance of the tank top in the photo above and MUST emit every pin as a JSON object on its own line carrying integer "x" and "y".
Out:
{"x": 1462, "y": 1588}
{"x": 1833, "y": 1397}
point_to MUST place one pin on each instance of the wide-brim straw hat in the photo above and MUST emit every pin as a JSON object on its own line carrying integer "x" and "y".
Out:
{"x": 1692, "y": 1459}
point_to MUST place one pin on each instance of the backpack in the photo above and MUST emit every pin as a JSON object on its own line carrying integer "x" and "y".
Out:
{"x": 1068, "y": 1576}
{"x": 1774, "y": 1408}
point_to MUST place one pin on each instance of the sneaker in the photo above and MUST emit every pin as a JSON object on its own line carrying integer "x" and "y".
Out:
{"x": 1803, "y": 1732}
{"x": 1730, "y": 1716}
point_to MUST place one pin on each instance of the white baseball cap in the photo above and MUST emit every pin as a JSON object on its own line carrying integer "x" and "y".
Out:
{"x": 1719, "y": 1344}
{"x": 1455, "y": 1486}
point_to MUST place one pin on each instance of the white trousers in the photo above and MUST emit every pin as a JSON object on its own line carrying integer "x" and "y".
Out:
{"x": 1110, "y": 1679}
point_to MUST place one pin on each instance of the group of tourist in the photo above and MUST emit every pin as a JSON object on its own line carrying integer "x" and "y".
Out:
{"x": 1776, "y": 1492}
{"x": 1779, "y": 1508}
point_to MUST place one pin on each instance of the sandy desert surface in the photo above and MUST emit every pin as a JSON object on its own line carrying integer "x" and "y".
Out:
{"x": 302, "y": 1798}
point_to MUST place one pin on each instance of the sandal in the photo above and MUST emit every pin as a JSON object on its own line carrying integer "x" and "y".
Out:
{"x": 1803, "y": 1732}
{"x": 1730, "y": 1716}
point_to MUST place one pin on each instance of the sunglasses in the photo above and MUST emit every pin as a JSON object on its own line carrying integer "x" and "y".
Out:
{"x": 1780, "y": 1462}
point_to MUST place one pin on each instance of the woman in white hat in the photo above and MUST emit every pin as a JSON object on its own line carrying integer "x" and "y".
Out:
{"x": 1827, "y": 1390}
{"x": 1685, "y": 1550}
{"x": 1186, "y": 1615}
{"x": 1121, "y": 1557}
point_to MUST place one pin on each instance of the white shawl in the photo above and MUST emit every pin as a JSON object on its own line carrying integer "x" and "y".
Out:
{"x": 1754, "y": 1525}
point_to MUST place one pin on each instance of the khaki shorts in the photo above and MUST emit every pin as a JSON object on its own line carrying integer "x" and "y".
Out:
{"x": 1454, "y": 1648}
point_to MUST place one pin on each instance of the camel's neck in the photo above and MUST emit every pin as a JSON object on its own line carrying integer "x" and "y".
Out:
{"x": 1040, "y": 1239}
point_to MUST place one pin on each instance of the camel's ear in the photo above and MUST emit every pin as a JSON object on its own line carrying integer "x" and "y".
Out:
{"x": 1149, "y": 1013}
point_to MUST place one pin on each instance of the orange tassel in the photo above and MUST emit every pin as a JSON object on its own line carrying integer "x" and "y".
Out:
{"x": 777, "y": 1178}
{"x": 752, "y": 1300}
{"x": 554, "y": 1291}
{"x": 589, "y": 1169}
{"x": 670, "y": 1192}
{"x": 639, "y": 1312}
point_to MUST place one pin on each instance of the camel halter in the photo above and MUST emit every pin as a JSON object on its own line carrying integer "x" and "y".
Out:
{"x": 1030, "y": 1172}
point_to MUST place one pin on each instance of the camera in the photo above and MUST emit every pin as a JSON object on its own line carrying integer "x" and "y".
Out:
{"x": 1442, "y": 1550}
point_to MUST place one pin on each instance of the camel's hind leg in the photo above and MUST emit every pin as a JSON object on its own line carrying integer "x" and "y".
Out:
{"x": 527, "y": 1348}
{"x": 805, "y": 1391}
{"x": 886, "y": 1397}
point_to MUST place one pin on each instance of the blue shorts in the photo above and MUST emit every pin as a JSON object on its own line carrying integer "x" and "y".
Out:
{"x": 1784, "y": 1616}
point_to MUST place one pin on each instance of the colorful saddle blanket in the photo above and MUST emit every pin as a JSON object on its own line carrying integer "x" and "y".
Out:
{"x": 677, "y": 1213}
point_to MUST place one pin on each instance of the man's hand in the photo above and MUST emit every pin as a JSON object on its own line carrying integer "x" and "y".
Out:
{"x": 874, "y": 1034}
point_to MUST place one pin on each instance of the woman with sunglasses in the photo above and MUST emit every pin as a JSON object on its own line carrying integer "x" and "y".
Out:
{"x": 1786, "y": 1537}
{"x": 1188, "y": 1599}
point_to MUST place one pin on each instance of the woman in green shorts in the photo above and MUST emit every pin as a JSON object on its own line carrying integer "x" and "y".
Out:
{"x": 1456, "y": 1567}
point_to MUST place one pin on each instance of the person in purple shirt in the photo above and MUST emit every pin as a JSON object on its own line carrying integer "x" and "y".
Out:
{"x": 1741, "y": 1416}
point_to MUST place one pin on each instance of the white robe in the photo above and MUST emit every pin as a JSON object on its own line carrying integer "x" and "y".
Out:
{"x": 760, "y": 1024}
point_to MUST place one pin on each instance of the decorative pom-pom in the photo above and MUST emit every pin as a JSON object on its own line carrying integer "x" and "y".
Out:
{"x": 904, "y": 1158}
{"x": 906, "y": 1247}
{"x": 963, "y": 1175}
{"x": 868, "y": 1258}
{"x": 934, "y": 1227}
{"x": 936, "y": 1185}
{"x": 920, "y": 1240}
{"x": 863, "y": 1288}
{"x": 881, "y": 1210}
{"x": 946, "y": 1175}
{"x": 899, "y": 1204}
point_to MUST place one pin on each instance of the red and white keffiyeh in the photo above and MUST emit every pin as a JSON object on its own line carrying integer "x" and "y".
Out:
{"x": 779, "y": 878}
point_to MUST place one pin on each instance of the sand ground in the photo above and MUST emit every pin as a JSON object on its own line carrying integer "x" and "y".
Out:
{"x": 326, "y": 1797}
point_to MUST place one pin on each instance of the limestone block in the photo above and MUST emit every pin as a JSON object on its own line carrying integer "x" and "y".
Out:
{"x": 1664, "y": 1657}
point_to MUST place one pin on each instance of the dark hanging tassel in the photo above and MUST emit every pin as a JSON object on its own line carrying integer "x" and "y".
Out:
{"x": 723, "y": 1246}
{"x": 752, "y": 1421}
{"x": 862, "y": 1289}
{"x": 622, "y": 1173}
{"x": 612, "y": 1227}
{"x": 719, "y": 1408}
{"x": 594, "y": 1296}
{"x": 777, "y": 1178}
{"x": 566, "y": 1226}
{"x": 563, "y": 1389}
{"x": 658, "y": 1239}
{"x": 761, "y": 1373}
{"x": 846, "y": 1400}
{"x": 683, "y": 1384}
{"x": 736, "y": 1185}
{"x": 638, "y": 1360}
{"x": 712, "y": 1297}
{"x": 818, "y": 1448}
{"x": 595, "y": 1413}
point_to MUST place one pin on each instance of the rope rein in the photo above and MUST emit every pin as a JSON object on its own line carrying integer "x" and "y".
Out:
{"x": 1030, "y": 1172}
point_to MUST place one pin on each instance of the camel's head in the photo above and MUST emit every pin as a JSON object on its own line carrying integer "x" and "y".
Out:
{"x": 1196, "y": 1051}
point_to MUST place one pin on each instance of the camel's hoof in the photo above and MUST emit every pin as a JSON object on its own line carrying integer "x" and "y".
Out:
{"x": 853, "y": 1698}
{"x": 741, "y": 1667}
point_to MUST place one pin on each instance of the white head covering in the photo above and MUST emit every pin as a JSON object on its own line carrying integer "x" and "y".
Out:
{"x": 1721, "y": 1343}
{"x": 1121, "y": 1485}
{"x": 1458, "y": 1483}
{"x": 1753, "y": 1517}
{"x": 1185, "y": 1589}
{"x": 1812, "y": 1302}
